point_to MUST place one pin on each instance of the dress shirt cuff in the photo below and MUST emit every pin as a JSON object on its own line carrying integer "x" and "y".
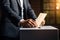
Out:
{"x": 20, "y": 22}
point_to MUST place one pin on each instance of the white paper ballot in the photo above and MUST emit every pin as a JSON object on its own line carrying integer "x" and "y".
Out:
{"x": 40, "y": 18}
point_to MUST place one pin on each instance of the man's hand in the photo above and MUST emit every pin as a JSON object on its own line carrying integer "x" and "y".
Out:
{"x": 43, "y": 23}
{"x": 29, "y": 23}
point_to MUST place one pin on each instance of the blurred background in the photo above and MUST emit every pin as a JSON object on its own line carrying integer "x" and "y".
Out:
{"x": 51, "y": 7}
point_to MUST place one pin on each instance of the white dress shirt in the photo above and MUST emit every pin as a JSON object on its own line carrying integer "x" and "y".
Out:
{"x": 21, "y": 1}
{"x": 21, "y": 8}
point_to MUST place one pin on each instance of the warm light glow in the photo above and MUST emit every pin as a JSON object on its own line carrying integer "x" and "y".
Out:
{"x": 57, "y": 6}
{"x": 58, "y": 1}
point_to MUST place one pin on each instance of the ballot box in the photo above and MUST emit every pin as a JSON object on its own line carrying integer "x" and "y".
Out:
{"x": 43, "y": 33}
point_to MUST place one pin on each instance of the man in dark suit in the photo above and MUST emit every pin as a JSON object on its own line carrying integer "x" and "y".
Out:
{"x": 11, "y": 18}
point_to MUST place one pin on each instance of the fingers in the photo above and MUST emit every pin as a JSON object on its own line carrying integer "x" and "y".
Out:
{"x": 32, "y": 22}
{"x": 35, "y": 23}
{"x": 43, "y": 22}
{"x": 29, "y": 23}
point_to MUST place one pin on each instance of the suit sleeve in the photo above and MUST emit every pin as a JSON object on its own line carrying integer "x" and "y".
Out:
{"x": 10, "y": 13}
{"x": 30, "y": 12}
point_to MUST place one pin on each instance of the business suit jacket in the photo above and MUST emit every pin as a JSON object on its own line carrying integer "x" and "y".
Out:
{"x": 12, "y": 15}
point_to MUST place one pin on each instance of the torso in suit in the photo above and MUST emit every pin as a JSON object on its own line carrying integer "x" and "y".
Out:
{"x": 12, "y": 15}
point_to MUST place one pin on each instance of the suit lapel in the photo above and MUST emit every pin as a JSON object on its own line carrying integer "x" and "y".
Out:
{"x": 18, "y": 1}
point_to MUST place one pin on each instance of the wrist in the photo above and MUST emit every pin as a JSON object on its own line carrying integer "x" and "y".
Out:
{"x": 20, "y": 22}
